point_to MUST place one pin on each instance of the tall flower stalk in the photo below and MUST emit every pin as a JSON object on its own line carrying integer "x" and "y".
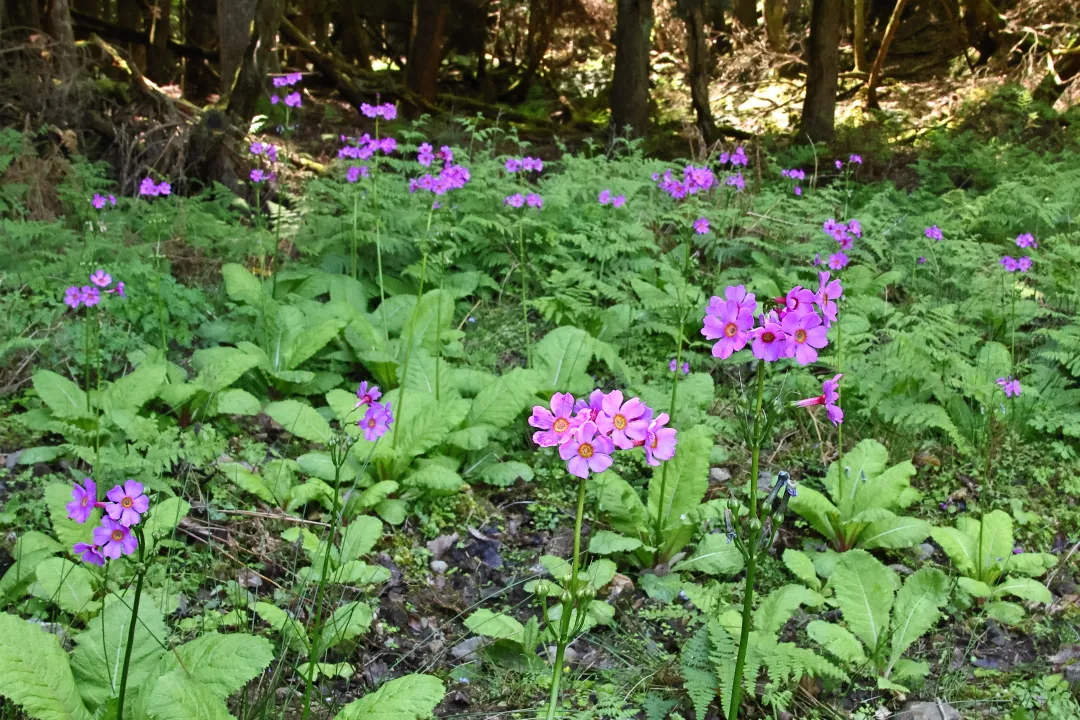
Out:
{"x": 412, "y": 324}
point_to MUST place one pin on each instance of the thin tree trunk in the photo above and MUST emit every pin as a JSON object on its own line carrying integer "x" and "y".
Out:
{"x": 355, "y": 38}
{"x": 1063, "y": 71}
{"x": 199, "y": 81}
{"x": 630, "y": 86}
{"x": 251, "y": 78}
{"x": 819, "y": 107}
{"x": 234, "y": 19}
{"x": 774, "y": 24}
{"x": 718, "y": 24}
{"x": 130, "y": 16}
{"x": 22, "y": 13}
{"x": 693, "y": 14}
{"x": 161, "y": 66}
{"x": 983, "y": 22}
{"x": 543, "y": 15}
{"x": 858, "y": 39}
{"x": 425, "y": 50}
{"x": 746, "y": 13}
{"x": 59, "y": 24}
{"x": 879, "y": 61}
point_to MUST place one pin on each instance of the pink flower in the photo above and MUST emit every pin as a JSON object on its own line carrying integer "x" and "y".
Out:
{"x": 921, "y": 260}
{"x": 446, "y": 154}
{"x": 1009, "y": 263}
{"x": 838, "y": 261}
{"x": 356, "y": 172}
{"x": 556, "y": 424}
{"x": 366, "y": 394}
{"x": 257, "y": 175}
{"x": 148, "y": 187}
{"x": 119, "y": 289}
{"x": 513, "y": 165}
{"x": 857, "y": 159}
{"x": 112, "y": 200}
{"x": 660, "y": 441}
{"x": 88, "y": 553}
{"x": 73, "y": 297}
{"x": 731, "y": 325}
{"x": 806, "y": 335}
{"x": 515, "y": 201}
{"x": 534, "y": 201}
{"x": 605, "y": 197}
{"x": 274, "y": 99}
{"x": 839, "y": 164}
{"x": 99, "y": 201}
{"x": 114, "y": 539}
{"x": 90, "y": 296}
{"x": 618, "y": 201}
{"x": 1026, "y": 240}
{"x": 828, "y": 292}
{"x": 625, "y": 423}
{"x": 376, "y": 421}
{"x": 701, "y": 226}
{"x": 934, "y": 233}
{"x": 127, "y": 503}
{"x": 590, "y": 409}
{"x": 84, "y": 500}
{"x": 736, "y": 181}
{"x": 770, "y": 342}
{"x": 738, "y": 295}
{"x": 797, "y": 190}
{"x": 1010, "y": 386}
{"x": 368, "y": 110}
{"x": 828, "y": 397}
{"x": 293, "y": 100}
{"x": 532, "y": 164}
{"x": 855, "y": 228}
{"x": 424, "y": 155}
{"x": 1023, "y": 264}
{"x": 585, "y": 450}
{"x": 798, "y": 300}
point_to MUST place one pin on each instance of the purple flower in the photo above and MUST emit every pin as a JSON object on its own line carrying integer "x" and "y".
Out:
{"x": 817, "y": 260}
{"x": 701, "y": 226}
{"x": 114, "y": 539}
{"x": 101, "y": 278}
{"x": 98, "y": 201}
{"x": 83, "y": 502}
{"x": 590, "y": 409}
{"x": 838, "y": 261}
{"x": 366, "y": 395}
{"x": 425, "y": 155}
{"x": 1010, "y": 386}
{"x": 119, "y": 289}
{"x": 618, "y": 201}
{"x": 730, "y": 324}
{"x": 806, "y": 335}
{"x": 356, "y": 172}
{"x": 148, "y": 187}
{"x": 1026, "y": 240}
{"x": 828, "y": 397}
{"x": 292, "y": 100}
{"x": 287, "y": 80}
{"x": 387, "y": 145}
{"x": 90, "y": 296}
{"x": 257, "y": 175}
{"x": 1023, "y": 264}
{"x": 797, "y": 301}
{"x": 126, "y": 504}
{"x": 513, "y": 165}
{"x": 660, "y": 441}
{"x": 797, "y": 190}
{"x": 770, "y": 342}
{"x": 515, "y": 201}
{"x": 274, "y": 99}
{"x": 674, "y": 365}
{"x": 376, "y": 421}
{"x": 921, "y": 260}
{"x": 605, "y": 197}
{"x": 736, "y": 181}
{"x": 855, "y": 228}
{"x": 738, "y": 295}
{"x": 271, "y": 153}
{"x": 534, "y": 201}
{"x": 934, "y": 233}
{"x": 555, "y": 425}
{"x": 88, "y": 553}
{"x": 586, "y": 450}
{"x": 531, "y": 164}
{"x": 856, "y": 159}
{"x": 446, "y": 154}
{"x": 625, "y": 423}
{"x": 839, "y": 164}
{"x": 73, "y": 297}
{"x": 386, "y": 110}
{"x": 686, "y": 368}
{"x": 112, "y": 200}
{"x": 828, "y": 292}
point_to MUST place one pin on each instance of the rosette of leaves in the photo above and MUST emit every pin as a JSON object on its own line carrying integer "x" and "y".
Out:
{"x": 882, "y": 618}
{"x": 860, "y": 506}
{"x": 982, "y": 551}
{"x": 707, "y": 660}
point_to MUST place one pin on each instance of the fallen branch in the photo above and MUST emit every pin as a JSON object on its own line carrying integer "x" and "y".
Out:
{"x": 115, "y": 33}
{"x": 875, "y": 71}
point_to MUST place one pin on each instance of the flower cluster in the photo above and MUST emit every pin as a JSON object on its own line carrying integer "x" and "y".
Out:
{"x": 794, "y": 329}
{"x": 526, "y": 164}
{"x": 266, "y": 150}
{"x": 112, "y": 538}
{"x": 99, "y": 201}
{"x": 1012, "y": 264}
{"x": 587, "y": 432}
{"x": 287, "y": 81}
{"x": 365, "y": 146}
{"x": 1023, "y": 240}
{"x": 830, "y": 393}
{"x": 386, "y": 111}
{"x": 355, "y": 172}
{"x": 518, "y": 200}
{"x": 1010, "y": 386}
{"x": 451, "y": 177}
{"x": 701, "y": 226}
{"x": 425, "y": 154}
{"x": 378, "y": 418}
{"x": 796, "y": 175}
{"x": 673, "y": 366}
{"x": 149, "y": 188}
{"x": 90, "y": 295}
{"x": 606, "y": 198}
{"x": 694, "y": 180}
{"x": 736, "y": 181}
{"x": 737, "y": 158}
{"x": 844, "y": 234}
{"x": 934, "y": 233}
{"x": 258, "y": 175}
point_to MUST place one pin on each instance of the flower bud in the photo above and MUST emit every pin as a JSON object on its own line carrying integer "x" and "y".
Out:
{"x": 586, "y": 593}
{"x": 565, "y": 598}
{"x": 734, "y": 505}
{"x": 543, "y": 589}
{"x": 755, "y": 525}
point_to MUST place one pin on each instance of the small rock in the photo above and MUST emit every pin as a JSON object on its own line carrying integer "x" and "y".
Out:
{"x": 438, "y": 567}
{"x": 996, "y": 634}
{"x": 926, "y": 551}
{"x": 570, "y": 655}
{"x": 466, "y": 649}
{"x": 249, "y": 579}
{"x": 900, "y": 569}
{"x": 441, "y": 544}
{"x": 12, "y": 460}
{"x": 620, "y": 584}
{"x": 718, "y": 475}
{"x": 1066, "y": 653}
{"x": 939, "y": 710}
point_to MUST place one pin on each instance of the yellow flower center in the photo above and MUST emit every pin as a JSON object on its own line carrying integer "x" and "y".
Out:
{"x": 655, "y": 441}
{"x": 561, "y": 425}
{"x": 126, "y": 502}
{"x": 800, "y": 336}
{"x": 371, "y": 423}
{"x": 585, "y": 450}
{"x": 731, "y": 330}
{"x": 619, "y": 422}
{"x": 85, "y": 500}
{"x": 117, "y": 535}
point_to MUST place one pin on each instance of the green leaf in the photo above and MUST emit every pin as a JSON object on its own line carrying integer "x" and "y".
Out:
{"x": 314, "y": 336}
{"x": 176, "y": 696}
{"x": 562, "y": 357}
{"x": 241, "y": 285}
{"x": 995, "y": 542}
{"x": 600, "y": 573}
{"x": 248, "y": 481}
{"x": 973, "y": 587}
{"x": 895, "y": 532}
{"x": 959, "y": 546}
{"x": 500, "y": 402}
{"x": 314, "y": 490}
{"x": 31, "y": 549}
{"x": 1005, "y": 612}
{"x": 63, "y": 397}
{"x": 605, "y": 542}
{"x": 837, "y": 641}
{"x": 494, "y": 625}
{"x": 1021, "y": 587}
{"x": 430, "y": 317}
{"x": 236, "y": 402}
{"x": 35, "y": 672}
{"x": 802, "y": 567}
{"x": 320, "y": 465}
{"x": 99, "y": 650}
{"x": 222, "y": 664}
{"x": 779, "y": 605}
{"x": 1030, "y": 564}
{"x": 412, "y": 697}
{"x": 864, "y": 591}
{"x": 918, "y": 607}
{"x": 434, "y": 478}
{"x": 164, "y": 517}
{"x": 714, "y": 556}
{"x": 69, "y": 585}
{"x": 67, "y": 531}
{"x": 818, "y": 511}
{"x": 137, "y": 388}
{"x": 351, "y": 620}
{"x": 620, "y": 502}
{"x": 301, "y": 420}
{"x": 685, "y": 478}
{"x": 360, "y": 537}
{"x": 356, "y": 572}
{"x": 219, "y": 367}
{"x": 505, "y": 474}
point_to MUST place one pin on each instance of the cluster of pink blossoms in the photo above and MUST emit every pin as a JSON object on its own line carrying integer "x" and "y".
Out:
{"x": 1023, "y": 264}
{"x": 99, "y": 201}
{"x": 525, "y": 164}
{"x": 518, "y": 200}
{"x": 127, "y": 504}
{"x": 451, "y": 177}
{"x": 796, "y": 175}
{"x": 830, "y": 393}
{"x": 148, "y": 188}
{"x": 1010, "y": 386}
{"x": 425, "y": 154}
{"x": 737, "y": 158}
{"x": 90, "y": 295}
{"x": 606, "y": 198}
{"x": 587, "y": 432}
{"x": 694, "y": 180}
{"x": 386, "y": 111}
{"x": 287, "y": 81}
{"x": 844, "y": 234}
{"x": 266, "y": 150}
{"x": 378, "y": 417}
{"x": 797, "y": 328}
{"x": 853, "y": 159}
{"x": 365, "y": 146}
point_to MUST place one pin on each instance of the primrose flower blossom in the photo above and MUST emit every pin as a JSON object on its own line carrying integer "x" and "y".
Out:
{"x": 293, "y": 100}
{"x": 769, "y": 340}
{"x": 287, "y": 80}
{"x": 604, "y": 197}
{"x": 376, "y": 421}
{"x": 555, "y": 425}
{"x": 828, "y": 397}
{"x": 1016, "y": 264}
{"x": 587, "y": 450}
{"x": 838, "y": 261}
{"x": 148, "y": 188}
{"x": 425, "y": 155}
{"x": 625, "y": 423}
{"x": 355, "y": 172}
{"x": 855, "y": 159}
{"x": 512, "y": 165}
{"x": 660, "y": 441}
{"x": 1010, "y": 386}
{"x": 590, "y": 409}
{"x": 516, "y": 200}
{"x": 127, "y": 503}
{"x": 618, "y": 201}
{"x": 730, "y": 324}
{"x": 805, "y": 335}
{"x": 88, "y": 553}
{"x": 367, "y": 394}
{"x": 387, "y": 111}
{"x": 827, "y": 294}
{"x": 99, "y": 201}
{"x": 797, "y": 301}
{"x": 736, "y": 181}
{"x": 701, "y": 226}
{"x": 534, "y": 201}
{"x": 114, "y": 539}
{"x": 101, "y": 278}
{"x": 934, "y": 233}
{"x": 83, "y": 501}
{"x": 1026, "y": 240}
{"x": 673, "y": 366}
{"x": 527, "y": 164}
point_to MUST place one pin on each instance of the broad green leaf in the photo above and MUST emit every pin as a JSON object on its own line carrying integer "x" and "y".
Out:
{"x": 314, "y": 490}
{"x": 177, "y": 696}
{"x": 236, "y": 402}
{"x": 973, "y": 587}
{"x": 412, "y": 697}
{"x": 714, "y": 556}
{"x": 314, "y": 336}
{"x": 69, "y": 585}
{"x": 505, "y": 474}
{"x": 961, "y": 548}
{"x": 1021, "y": 587}
{"x": 165, "y": 515}
{"x": 222, "y": 664}
{"x": 863, "y": 588}
{"x": 863, "y": 462}
{"x": 837, "y": 641}
{"x": 474, "y": 437}
{"x": 1005, "y": 612}
{"x": 63, "y": 397}
{"x": 620, "y": 502}
{"x": 995, "y": 543}
{"x": 605, "y": 542}
{"x": 499, "y": 403}
{"x": 430, "y": 318}
{"x": 494, "y": 625}
{"x": 1030, "y": 564}
{"x": 67, "y": 531}
{"x": 35, "y": 672}
{"x": 425, "y": 423}
{"x": 562, "y": 357}
{"x": 351, "y": 620}
{"x": 301, "y": 420}
{"x": 600, "y": 573}
{"x": 802, "y": 567}
{"x": 356, "y": 572}
{"x": 779, "y": 605}
{"x": 241, "y": 285}
{"x": 434, "y": 478}
{"x": 684, "y": 478}
{"x": 247, "y": 480}
{"x": 290, "y": 628}
{"x": 895, "y": 532}
{"x": 137, "y": 388}
{"x": 421, "y": 377}
{"x": 31, "y": 549}
{"x": 917, "y": 608}
{"x": 320, "y": 465}
{"x": 359, "y": 537}
{"x": 816, "y": 510}
{"x": 219, "y": 367}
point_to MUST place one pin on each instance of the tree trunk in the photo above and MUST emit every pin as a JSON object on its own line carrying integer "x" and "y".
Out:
{"x": 693, "y": 14}
{"x": 130, "y": 16}
{"x": 234, "y": 19}
{"x": 161, "y": 66}
{"x": 199, "y": 80}
{"x": 983, "y": 22}
{"x": 425, "y": 50}
{"x": 819, "y": 108}
{"x": 355, "y": 38}
{"x": 630, "y": 86}
{"x": 59, "y": 24}
{"x": 543, "y": 16}
{"x": 1063, "y": 71}
{"x": 251, "y": 77}
{"x": 879, "y": 61}
{"x": 774, "y": 24}
{"x": 90, "y": 7}
{"x": 746, "y": 13}
{"x": 22, "y": 13}
{"x": 858, "y": 36}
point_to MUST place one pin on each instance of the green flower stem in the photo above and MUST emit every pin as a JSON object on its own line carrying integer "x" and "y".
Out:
{"x": 524, "y": 297}
{"x": 751, "y": 552}
{"x": 839, "y": 404}
{"x": 355, "y": 204}
{"x": 438, "y": 337}
{"x": 409, "y": 341}
{"x": 378, "y": 230}
{"x": 131, "y": 629}
{"x": 564, "y": 622}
